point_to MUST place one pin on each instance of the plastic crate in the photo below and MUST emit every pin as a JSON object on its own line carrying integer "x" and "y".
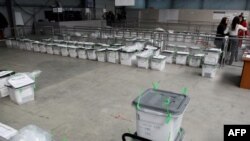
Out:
{"x": 158, "y": 62}
{"x": 151, "y": 116}
{"x": 195, "y": 60}
{"x": 181, "y": 58}
{"x": 73, "y": 51}
{"x": 209, "y": 70}
{"x": 101, "y": 55}
{"x": 169, "y": 56}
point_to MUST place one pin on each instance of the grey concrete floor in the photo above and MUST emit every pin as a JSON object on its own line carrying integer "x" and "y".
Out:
{"x": 81, "y": 99}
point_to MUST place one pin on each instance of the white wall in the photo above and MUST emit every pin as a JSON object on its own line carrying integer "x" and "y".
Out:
{"x": 199, "y": 4}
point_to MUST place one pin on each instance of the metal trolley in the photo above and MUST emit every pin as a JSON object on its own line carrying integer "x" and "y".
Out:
{"x": 135, "y": 137}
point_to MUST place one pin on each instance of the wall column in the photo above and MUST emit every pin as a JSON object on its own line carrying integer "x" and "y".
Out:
{"x": 10, "y": 10}
{"x": 201, "y": 4}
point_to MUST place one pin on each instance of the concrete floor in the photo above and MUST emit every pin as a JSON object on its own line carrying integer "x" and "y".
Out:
{"x": 81, "y": 99}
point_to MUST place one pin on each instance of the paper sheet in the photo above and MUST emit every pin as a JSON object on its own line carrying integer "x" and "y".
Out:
{"x": 3, "y": 73}
{"x": 20, "y": 80}
{"x": 7, "y": 132}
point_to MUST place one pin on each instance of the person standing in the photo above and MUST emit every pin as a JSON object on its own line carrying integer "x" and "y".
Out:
{"x": 110, "y": 18}
{"x": 245, "y": 24}
{"x": 219, "y": 42}
{"x": 242, "y": 33}
{"x": 233, "y": 31}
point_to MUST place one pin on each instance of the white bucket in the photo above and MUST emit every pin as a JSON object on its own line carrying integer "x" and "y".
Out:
{"x": 42, "y": 47}
{"x": 73, "y": 51}
{"x": 209, "y": 70}
{"x": 82, "y": 53}
{"x": 101, "y": 55}
{"x": 56, "y": 49}
{"x": 181, "y": 58}
{"x": 158, "y": 62}
{"x": 113, "y": 56}
{"x": 195, "y": 60}
{"x": 169, "y": 56}
{"x": 49, "y": 48}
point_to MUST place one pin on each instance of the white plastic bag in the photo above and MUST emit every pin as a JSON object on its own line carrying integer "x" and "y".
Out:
{"x": 35, "y": 73}
{"x": 32, "y": 133}
{"x": 160, "y": 29}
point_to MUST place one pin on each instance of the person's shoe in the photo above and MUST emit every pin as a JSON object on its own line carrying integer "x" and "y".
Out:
{"x": 229, "y": 63}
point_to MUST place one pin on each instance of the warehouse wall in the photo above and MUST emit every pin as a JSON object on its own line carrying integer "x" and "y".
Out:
{"x": 190, "y": 9}
{"x": 186, "y": 4}
{"x": 38, "y": 6}
{"x": 193, "y": 10}
{"x": 159, "y": 4}
{"x": 205, "y": 15}
{"x": 200, "y": 4}
{"x": 72, "y": 3}
{"x": 195, "y": 15}
{"x": 30, "y": 7}
{"x": 149, "y": 15}
{"x": 192, "y": 15}
{"x": 225, "y": 4}
{"x": 133, "y": 15}
{"x": 139, "y": 4}
{"x": 108, "y": 4}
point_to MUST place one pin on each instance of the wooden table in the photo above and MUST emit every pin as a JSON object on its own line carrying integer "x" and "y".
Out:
{"x": 245, "y": 76}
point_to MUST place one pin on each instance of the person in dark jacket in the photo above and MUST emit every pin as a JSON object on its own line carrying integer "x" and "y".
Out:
{"x": 109, "y": 17}
{"x": 219, "y": 42}
{"x": 3, "y": 25}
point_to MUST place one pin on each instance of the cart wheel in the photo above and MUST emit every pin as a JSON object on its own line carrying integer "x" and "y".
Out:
{"x": 133, "y": 136}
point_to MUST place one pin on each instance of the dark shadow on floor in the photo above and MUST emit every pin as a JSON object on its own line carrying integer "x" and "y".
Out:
{"x": 231, "y": 78}
{"x": 197, "y": 72}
